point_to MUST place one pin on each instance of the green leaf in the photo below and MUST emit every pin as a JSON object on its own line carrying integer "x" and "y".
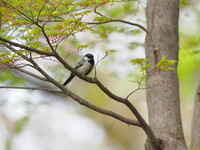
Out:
{"x": 80, "y": 47}
{"x": 166, "y": 64}
{"x": 138, "y": 61}
{"x": 144, "y": 68}
{"x": 110, "y": 51}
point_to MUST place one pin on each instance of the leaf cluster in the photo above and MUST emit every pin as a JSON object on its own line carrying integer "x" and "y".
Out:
{"x": 163, "y": 64}
{"x": 141, "y": 62}
{"x": 31, "y": 21}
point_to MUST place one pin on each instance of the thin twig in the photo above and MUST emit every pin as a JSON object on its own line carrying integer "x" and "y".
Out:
{"x": 95, "y": 10}
{"x": 95, "y": 68}
{"x": 31, "y": 88}
{"x": 31, "y": 74}
{"x": 40, "y": 11}
{"x": 26, "y": 47}
{"x": 122, "y": 21}
{"x": 138, "y": 88}
{"x": 20, "y": 13}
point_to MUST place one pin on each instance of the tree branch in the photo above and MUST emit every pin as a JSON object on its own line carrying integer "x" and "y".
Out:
{"x": 142, "y": 122}
{"x": 138, "y": 88}
{"x": 26, "y": 47}
{"x": 31, "y": 88}
{"x": 30, "y": 74}
{"x": 122, "y": 21}
{"x": 74, "y": 96}
{"x": 125, "y": 101}
{"x": 114, "y": 20}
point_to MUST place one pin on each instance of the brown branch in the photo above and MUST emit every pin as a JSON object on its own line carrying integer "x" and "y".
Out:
{"x": 30, "y": 74}
{"x": 80, "y": 101}
{"x": 115, "y": 20}
{"x": 31, "y": 88}
{"x": 95, "y": 67}
{"x": 26, "y": 47}
{"x": 86, "y": 103}
{"x": 98, "y": 13}
{"x": 74, "y": 96}
{"x": 46, "y": 37}
{"x": 122, "y": 21}
{"x": 141, "y": 120}
{"x": 138, "y": 88}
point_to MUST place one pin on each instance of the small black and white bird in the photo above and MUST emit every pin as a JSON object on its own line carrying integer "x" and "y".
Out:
{"x": 84, "y": 66}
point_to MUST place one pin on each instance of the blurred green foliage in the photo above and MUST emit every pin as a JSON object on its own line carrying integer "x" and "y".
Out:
{"x": 11, "y": 78}
{"x": 188, "y": 65}
{"x": 185, "y": 3}
{"x": 20, "y": 124}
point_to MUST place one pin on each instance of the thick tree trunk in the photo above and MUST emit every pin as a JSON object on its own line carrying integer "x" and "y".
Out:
{"x": 163, "y": 87}
{"x": 195, "y": 142}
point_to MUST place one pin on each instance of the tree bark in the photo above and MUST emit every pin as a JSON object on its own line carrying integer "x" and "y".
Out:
{"x": 162, "y": 86}
{"x": 195, "y": 141}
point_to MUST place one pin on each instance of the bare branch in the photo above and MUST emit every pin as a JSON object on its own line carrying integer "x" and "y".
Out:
{"x": 115, "y": 20}
{"x": 74, "y": 96}
{"x": 95, "y": 68}
{"x": 98, "y": 13}
{"x": 26, "y": 47}
{"x": 141, "y": 120}
{"x": 138, "y": 88}
{"x": 122, "y": 21}
{"x": 31, "y": 74}
{"x": 31, "y": 88}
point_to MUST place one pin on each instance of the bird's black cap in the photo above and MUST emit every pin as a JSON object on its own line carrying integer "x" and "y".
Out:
{"x": 89, "y": 55}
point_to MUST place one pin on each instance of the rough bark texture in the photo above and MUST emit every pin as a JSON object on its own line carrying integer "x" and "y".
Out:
{"x": 195, "y": 142}
{"x": 163, "y": 92}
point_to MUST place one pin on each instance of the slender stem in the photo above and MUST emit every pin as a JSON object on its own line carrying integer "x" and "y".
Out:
{"x": 31, "y": 88}
{"x": 26, "y": 47}
{"x": 122, "y": 21}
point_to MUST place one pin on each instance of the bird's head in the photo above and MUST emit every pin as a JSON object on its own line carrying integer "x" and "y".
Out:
{"x": 88, "y": 57}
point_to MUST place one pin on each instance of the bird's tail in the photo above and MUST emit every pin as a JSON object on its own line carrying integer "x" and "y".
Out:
{"x": 68, "y": 80}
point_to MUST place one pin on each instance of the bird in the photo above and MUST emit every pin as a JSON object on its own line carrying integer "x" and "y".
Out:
{"x": 84, "y": 66}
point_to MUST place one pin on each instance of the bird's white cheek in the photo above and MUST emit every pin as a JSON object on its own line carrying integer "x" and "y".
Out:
{"x": 86, "y": 58}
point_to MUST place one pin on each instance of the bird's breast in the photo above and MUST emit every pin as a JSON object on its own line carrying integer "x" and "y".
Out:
{"x": 84, "y": 68}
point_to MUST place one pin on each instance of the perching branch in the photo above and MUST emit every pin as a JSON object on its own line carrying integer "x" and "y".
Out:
{"x": 125, "y": 101}
{"x": 68, "y": 93}
{"x": 142, "y": 122}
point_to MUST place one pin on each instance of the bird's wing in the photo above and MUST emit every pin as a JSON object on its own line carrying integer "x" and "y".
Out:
{"x": 80, "y": 63}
